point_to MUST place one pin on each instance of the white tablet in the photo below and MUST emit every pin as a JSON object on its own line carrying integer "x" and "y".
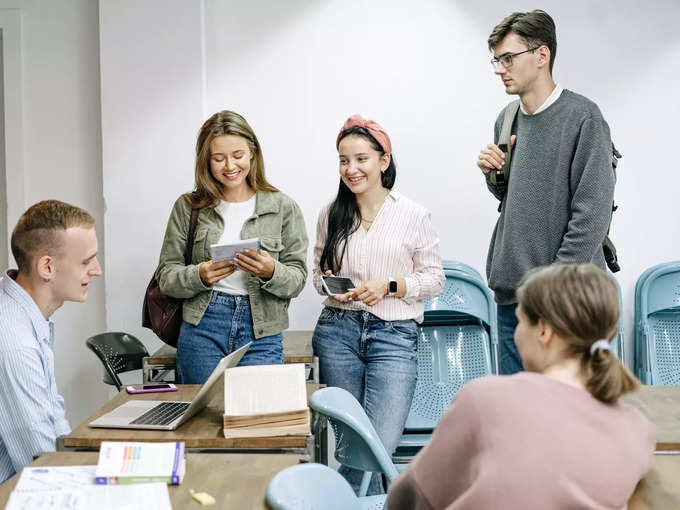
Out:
{"x": 228, "y": 251}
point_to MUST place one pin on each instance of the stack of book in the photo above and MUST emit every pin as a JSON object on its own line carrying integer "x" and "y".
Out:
{"x": 265, "y": 401}
{"x": 122, "y": 462}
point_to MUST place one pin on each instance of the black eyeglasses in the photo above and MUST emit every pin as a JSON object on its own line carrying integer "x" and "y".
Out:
{"x": 506, "y": 60}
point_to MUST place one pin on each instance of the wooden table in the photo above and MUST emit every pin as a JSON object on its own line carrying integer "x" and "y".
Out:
{"x": 660, "y": 489}
{"x": 661, "y": 405}
{"x": 203, "y": 432}
{"x": 297, "y": 348}
{"x": 234, "y": 480}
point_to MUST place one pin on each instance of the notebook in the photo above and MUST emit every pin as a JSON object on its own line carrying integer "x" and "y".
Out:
{"x": 166, "y": 415}
{"x": 265, "y": 401}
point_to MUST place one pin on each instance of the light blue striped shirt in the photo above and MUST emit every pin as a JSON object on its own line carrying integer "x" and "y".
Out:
{"x": 32, "y": 412}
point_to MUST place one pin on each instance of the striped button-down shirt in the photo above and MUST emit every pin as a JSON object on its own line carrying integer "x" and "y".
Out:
{"x": 32, "y": 412}
{"x": 401, "y": 243}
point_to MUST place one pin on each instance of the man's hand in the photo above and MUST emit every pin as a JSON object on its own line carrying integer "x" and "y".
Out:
{"x": 491, "y": 157}
{"x": 256, "y": 263}
{"x": 212, "y": 272}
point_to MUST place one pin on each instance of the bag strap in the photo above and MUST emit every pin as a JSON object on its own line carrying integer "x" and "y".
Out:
{"x": 504, "y": 138}
{"x": 193, "y": 221}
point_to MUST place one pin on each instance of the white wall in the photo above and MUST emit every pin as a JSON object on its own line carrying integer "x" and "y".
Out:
{"x": 151, "y": 110}
{"x": 4, "y": 237}
{"x": 56, "y": 153}
{"x": 297, "y": 69}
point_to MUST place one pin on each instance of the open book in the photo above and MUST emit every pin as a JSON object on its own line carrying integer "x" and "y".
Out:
{"x": 265, "y": 401}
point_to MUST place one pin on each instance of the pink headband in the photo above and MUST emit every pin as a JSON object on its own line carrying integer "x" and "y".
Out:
{"x": 375, "y": 130}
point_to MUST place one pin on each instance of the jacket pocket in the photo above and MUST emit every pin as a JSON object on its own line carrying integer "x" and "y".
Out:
{"x": 201, "y": 251}
{"x": 272, "y": 245}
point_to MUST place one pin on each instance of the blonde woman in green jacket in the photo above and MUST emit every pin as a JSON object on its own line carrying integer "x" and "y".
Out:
{"x": 227, "y": 305}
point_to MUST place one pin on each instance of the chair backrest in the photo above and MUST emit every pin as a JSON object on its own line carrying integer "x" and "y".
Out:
{"x": 448, "y": 358}
{"x": 357, "y": 444}
{"x": 463, "y": 294}
{"x": 310, "y": 487}
{"x": 465, "y": 300}
{"x": 657, "y": 335}
{"x": 119, "y": 352}
{"x": 461, "y": 266}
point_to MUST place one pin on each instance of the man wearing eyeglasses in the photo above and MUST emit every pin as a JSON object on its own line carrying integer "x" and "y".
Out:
{"x": 556, "y": 203}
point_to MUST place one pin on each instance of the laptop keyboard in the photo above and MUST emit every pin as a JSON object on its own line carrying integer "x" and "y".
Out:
{"x": 162, "y": 414}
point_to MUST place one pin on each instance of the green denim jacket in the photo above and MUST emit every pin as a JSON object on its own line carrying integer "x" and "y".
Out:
{"x": 279, "y": 224}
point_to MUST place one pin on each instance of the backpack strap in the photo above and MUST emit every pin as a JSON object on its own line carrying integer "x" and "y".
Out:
{"x": 504, "y": 142}
{"x": 192, "y": 235}
{"x": 499, "y": 177}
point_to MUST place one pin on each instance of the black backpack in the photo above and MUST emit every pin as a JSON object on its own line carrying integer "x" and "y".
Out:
{"x": 500, "y": 179}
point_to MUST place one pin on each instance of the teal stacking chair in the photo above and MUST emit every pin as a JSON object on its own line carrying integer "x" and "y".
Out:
{"x": 316, "y": 487}
{"x": 457, "y": 342}
{"x": 461, "y": 266}
{"x": 357, "y": 444}
{"x": 657, "y": 333}
{"x": 639, "y": 355}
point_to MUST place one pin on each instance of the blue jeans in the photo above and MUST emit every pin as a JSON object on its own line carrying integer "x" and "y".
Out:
{"x": 225, "y": 326}
{"x": 510, "y": 361}
{"x": 376, "y": 361}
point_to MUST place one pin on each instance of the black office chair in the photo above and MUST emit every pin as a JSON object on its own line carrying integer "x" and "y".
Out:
{"x": 118, "y": 352}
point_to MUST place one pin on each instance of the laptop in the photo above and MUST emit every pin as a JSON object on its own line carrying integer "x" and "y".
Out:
{"x": 165, "y": 415}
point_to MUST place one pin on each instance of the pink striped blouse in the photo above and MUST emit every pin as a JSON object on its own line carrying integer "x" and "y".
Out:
{"x": 401, "y": 243}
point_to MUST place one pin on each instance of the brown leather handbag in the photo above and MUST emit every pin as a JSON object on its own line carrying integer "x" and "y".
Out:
{"x": 163, "y": 314}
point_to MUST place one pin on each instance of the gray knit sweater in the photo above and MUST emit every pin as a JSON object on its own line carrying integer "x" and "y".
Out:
{"x": 559, "y": 198}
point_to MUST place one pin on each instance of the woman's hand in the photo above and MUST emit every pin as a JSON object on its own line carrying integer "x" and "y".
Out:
{"x": 256, "y": 263}
{"x": 212, "y": 272}
{"x": 370, "y": 292}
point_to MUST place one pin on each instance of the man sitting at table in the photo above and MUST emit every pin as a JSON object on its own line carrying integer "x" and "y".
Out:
{"x": 55, "y": 248}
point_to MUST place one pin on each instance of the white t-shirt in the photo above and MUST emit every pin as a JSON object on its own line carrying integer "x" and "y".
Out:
{"x": 235, "y": 215}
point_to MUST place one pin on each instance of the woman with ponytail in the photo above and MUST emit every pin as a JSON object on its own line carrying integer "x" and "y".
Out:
{"x": 366, "y": 339}
{"x": 556, "y": 436}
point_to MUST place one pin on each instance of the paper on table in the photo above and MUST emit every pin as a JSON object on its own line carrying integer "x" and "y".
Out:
{"x": 55, "y": 478}
{"x": 144, "y": 496}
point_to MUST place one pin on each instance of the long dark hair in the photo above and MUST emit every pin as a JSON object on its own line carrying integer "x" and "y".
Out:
{"x": 344, "y": 216}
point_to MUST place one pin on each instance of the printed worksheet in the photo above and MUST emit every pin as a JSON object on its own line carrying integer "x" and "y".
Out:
{"x": 142, "y": 496}
{"x": 55, "y": 478}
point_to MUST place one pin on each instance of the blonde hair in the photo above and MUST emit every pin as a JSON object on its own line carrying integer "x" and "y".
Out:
{"x": 37, "y": 230}
{"x": 580, "y": 303}
{"x": 208, "y": 192}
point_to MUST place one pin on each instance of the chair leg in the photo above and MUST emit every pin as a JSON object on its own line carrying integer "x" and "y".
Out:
{"x": 365, "y": 481}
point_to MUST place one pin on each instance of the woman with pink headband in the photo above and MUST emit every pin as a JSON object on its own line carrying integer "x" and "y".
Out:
{"x": 366, "y": 338}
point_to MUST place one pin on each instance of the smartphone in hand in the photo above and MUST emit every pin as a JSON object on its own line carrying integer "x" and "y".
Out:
{"x": 336, "y": 285}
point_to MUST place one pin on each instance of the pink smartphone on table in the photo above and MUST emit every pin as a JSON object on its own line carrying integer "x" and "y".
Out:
{"x": 151, "y": 388}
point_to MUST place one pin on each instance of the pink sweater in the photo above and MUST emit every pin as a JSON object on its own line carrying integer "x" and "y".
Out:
{"x": 528, "y": 442}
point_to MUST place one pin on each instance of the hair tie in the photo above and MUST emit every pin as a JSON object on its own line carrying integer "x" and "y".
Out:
{"x": 375, "y": 129}
{"x": 600, "y": 344}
